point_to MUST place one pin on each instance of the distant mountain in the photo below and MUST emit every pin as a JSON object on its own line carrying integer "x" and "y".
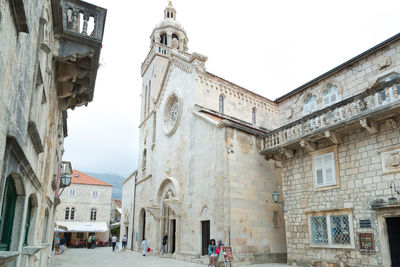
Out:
{"x": 111, "y": 178}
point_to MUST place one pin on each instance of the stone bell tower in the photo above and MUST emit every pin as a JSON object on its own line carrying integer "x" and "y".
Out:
{"x": 169, "y": 31}
{"x": 166, "y": 37}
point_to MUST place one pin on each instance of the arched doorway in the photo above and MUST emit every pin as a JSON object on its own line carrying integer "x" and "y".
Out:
{"x": 168, "y": 224}
{"x": 142, "y": 225}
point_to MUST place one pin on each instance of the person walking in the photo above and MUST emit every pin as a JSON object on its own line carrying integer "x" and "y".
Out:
{"x": 93, "y": 242}
{"x": 89, "y": 242}
{"x": 164, "y": 242}
{"x": 113, "y": 242}
{"x": 124, "y": 239}
{"x": 211, "y": 253}
{"x": 144, "y": 247}
{"x": 62, "y": 244}
{"x": 109, "y": 241}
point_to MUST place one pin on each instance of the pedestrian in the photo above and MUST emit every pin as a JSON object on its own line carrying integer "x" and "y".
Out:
{"x": 109, "y": 241}
{"x": 113, "y": 242}
{"x": 62, "y": 244}
{"x": 164, "y": 242}
{"x": 124, "y": 239}
{"x": 144, "y": 247}
{"x": 93, "y": 242}
{"x": 211, "y": 253}
{"x": 218, "y": 251}
{"x": 89, "y": 241}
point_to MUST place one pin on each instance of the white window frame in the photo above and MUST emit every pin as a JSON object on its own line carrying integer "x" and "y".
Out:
{"x": 333, "y": 165}
{"x": 310, "y": 105}
{"x": 328, "y": 215}
{"x": 72, "y": 192}
{"x": 329, "y": 96}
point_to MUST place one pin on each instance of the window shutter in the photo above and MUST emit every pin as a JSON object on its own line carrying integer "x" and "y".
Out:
{"x": 329, "y": 165}
{"x": 319, "y": 171}
{"x": 333, "y": 97}
{"x": 326, "y": 100}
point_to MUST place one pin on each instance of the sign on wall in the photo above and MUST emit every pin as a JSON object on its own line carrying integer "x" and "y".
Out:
{"x": 365, "y": 223}
{"x": 367, "y": 245}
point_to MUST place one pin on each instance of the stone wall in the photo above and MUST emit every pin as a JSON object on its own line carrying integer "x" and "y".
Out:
{"x": 127, "y": 210}
{"x": 362, "y": 181}
{"x": 350, "y": 81}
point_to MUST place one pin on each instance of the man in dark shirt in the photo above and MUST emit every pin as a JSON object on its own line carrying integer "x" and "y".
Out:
{"x": 164, "y": 242}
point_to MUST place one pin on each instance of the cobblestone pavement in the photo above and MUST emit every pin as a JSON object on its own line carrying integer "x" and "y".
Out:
{"x": 100, "y": 257}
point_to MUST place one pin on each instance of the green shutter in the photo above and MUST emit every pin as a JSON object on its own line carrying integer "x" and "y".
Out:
{"x": 7, "y": 214}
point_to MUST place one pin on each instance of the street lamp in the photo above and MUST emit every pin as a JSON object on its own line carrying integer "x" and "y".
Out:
{"x": 65, "y": 180}
{"x": 275, "y": 197}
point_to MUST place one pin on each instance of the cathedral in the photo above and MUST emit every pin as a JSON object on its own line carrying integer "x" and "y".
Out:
{"x": 310, "y": 178}
{"x": 200, "y": 175}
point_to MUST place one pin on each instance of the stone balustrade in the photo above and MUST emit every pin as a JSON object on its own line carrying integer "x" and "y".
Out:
{"x": 357, "y": 107}
{"x": 156, "y": 48}
{"x": 83, "y": 20}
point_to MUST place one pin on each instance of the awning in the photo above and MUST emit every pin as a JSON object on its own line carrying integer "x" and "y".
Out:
{"x": 115, "y": 225}
{"x": 94, "y": 227}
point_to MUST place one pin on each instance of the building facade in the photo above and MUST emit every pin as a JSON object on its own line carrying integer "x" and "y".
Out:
{"x": 127, "y": 210}
{"x": 200, "y": 175}
{"x": 47, "y": 66}
{"x": 85, "y": 209}
{"x": 339, "y": 146}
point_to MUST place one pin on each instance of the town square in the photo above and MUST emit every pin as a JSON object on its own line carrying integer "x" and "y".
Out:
{"x": 270, "y": 139}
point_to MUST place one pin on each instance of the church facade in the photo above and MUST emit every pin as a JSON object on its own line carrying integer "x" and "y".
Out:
{"x": 200, "y": 175}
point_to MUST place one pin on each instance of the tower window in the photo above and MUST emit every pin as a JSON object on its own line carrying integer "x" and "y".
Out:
{"x": 221, "y": 104}
{"x": 253, "y": 115}
{"x": 144, "y": 160}
{"x": 174, "y": 36}
{"x": 167, "y": 14}
{"x": 164, "y": 39}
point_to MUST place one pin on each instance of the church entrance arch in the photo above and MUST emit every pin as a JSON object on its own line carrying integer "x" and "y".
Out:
{"x": 169, "y": 203}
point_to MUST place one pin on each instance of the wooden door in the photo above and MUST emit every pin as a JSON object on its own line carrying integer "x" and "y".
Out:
{"x": 205, "y": 237}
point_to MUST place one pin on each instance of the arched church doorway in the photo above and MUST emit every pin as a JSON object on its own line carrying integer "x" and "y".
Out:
{"x": 142, "y": 225}
{"x": 169, "y": 224}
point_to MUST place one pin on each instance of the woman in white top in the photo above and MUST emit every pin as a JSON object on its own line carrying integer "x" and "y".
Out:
{"x": 144, "y": 247}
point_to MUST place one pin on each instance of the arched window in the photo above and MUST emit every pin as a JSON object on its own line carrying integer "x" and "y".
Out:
{"x": 72, "y": 216}
{"x": 167, "y": 14}
{"x": 174, "y": 36}
{"x": 164, "y": 38}
{"x": 310, "y": 104}
{"x": 330, "y": 95}
{"x": 144, "y": 160}
{"x": 28, "y": 221}
{"x": 253, "y": 115}
{"x": 93, "y": 214}
{"x": 148, "y": 95}
{"x": 66, "y": 213}
{"x": 145, "y": 100}
{"x": 45, "y": 226}
{"x": 221, "y": 104}
{"x": 7, "y": 214}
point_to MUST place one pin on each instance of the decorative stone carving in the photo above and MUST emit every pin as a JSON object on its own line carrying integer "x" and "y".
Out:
{"x": 384, "y": 62}
{"x": 155, "y": 211}
{"x": 370, "y": 126}
{"x": 390, "y": 124}
{"x": 175, "y": 43}
{"x": 145, "y": 132}
{"x": 391, "y": 161}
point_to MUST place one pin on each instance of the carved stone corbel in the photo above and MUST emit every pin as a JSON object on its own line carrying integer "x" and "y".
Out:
{"x": 310, "y": 146}
{"x": 175, "y": 205}
{"x": 288, "y": 153}
{"x": 334, "y": 137}
{"x": 155, "y": 211}
{"x": 370, "y": 126}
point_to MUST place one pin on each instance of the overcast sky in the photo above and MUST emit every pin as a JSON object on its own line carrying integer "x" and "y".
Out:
{"x": 269, "y": 47}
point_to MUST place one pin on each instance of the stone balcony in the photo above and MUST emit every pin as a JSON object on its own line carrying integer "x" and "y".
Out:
{"x": 367, "y": 109}
{"x": 78, "y": 29}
